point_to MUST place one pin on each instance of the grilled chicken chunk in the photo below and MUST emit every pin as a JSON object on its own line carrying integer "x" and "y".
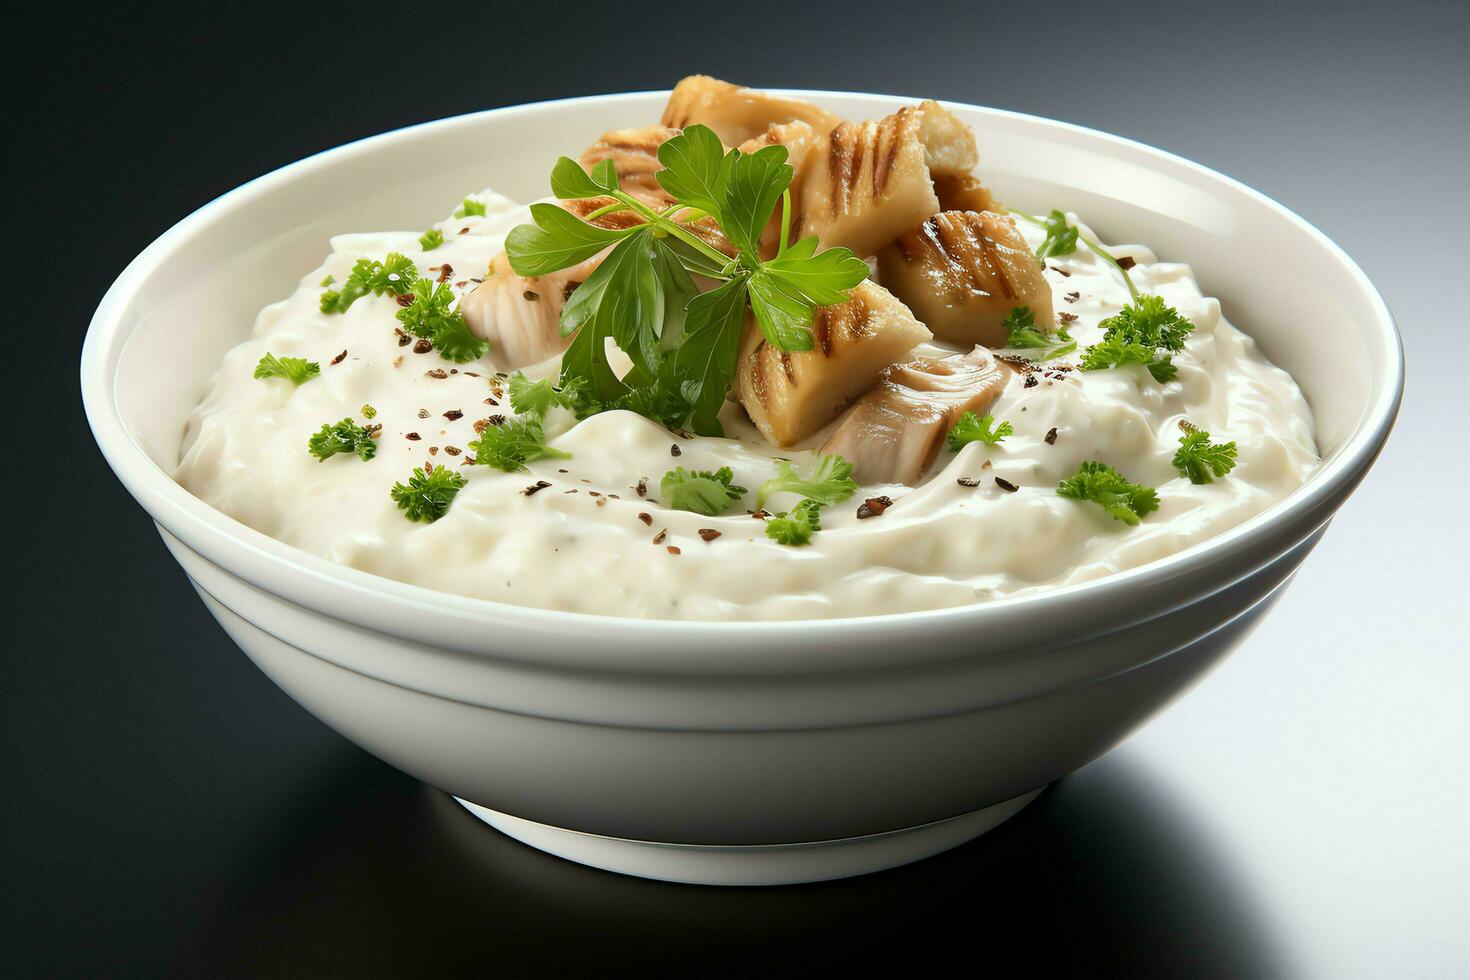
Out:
{"x": 965, "y": 194}
{"x": 962, "y": 272}
{"x": 867, "y": 183}
{"x": 634, "y": 153}
{"x": 520, "y": 315}
{"x": 737, "y": 114}
{"x": 790, "y": 396}
{"x": 893, "y": 434}
{"x": 798, "y": 138}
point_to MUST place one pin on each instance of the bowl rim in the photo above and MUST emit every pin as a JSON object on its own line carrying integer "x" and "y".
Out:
{"x": 344, "y": 592}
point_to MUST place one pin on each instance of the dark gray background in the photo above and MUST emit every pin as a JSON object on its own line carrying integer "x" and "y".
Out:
{"x": 166, "y": 810}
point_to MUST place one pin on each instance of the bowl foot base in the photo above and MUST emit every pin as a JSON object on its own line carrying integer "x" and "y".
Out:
{"x": 761, "y": 864}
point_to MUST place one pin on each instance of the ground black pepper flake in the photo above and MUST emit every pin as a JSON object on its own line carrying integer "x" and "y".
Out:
{"x": 1072, "y": 297}
{"x": 481, "y": 425}
{"x": 445, "y": 271}
{"x": 674, "y": 550}
{"x": 759, "y": 515}
{"x": 496, "y": 420}
{"x": 874, "y": 507}
{"x": 413, "y": 436}
{"x": 1051, "y": 436}
{"x": 646, "y": 518}
{"x": 1030, "y": 381}
{"x": 1126, "y": 262}
{"x": 1066, "y": 317}
{"x": 454, "y": 415}
{"x": 1006, "y": 485}
{"x": 423, "y": 413}
{"x": 659, "y": 537}
{"x": 404, "y": 299}
{"x": 642, "y": 487}
{"x": 530, "y": 296}
{"x": 403, "y": 339}
{"x": 453, "y": 450}
{"x": 422, "y": 346}
{"x": 439, "y": 373}
{"x": 965, "y": 481}
{"x": 536, "y": 487}
{"x": 340, "y": 358}
{"x": 708, "y": 533}
{"x": 433, "y": 450}
{"x": 465, "y": 230}
{"x": 1063, "y": 272}
{"x": 491, "y": 401}
{"x": 674, "y": 450}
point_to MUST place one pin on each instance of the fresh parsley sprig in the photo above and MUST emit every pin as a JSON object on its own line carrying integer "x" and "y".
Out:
{"x": 470, "y": 207}
{"x": 429, "y": 316}
{"x": 1062, "y": 239}
{"x": 344, "y": 437}
{"x": 701, "y": 491}
{"x": 683, "y": 343}
{"x": 1099, "y": 483}
{"x": 512, "y": 444}
{"x": 971, "y": 428}
{"x": 1200, "y": 459}
{"x": 1023, "y": 334}
{"x": 297, "y": 370}
{"x": 796, "y": 526}
{"x": 395, "y": 274}
{"x": 829, "y": 482}
{"x": 429, "y": 492}
{"x": 529, "y": 397}
{"x": 1137, "y": 335}
{"x": 431, "y": 239}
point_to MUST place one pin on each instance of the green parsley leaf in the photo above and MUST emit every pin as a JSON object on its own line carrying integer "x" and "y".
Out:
{"x": 514, "y": 443}
{"x": 796, "y": 526}
{"x": 1200, "y": 459}
{"x": 620, "y": 300}
{"x": 972, "y": 429}
{"x": 696, "y": 169}
{"x": 753, "y": 187}
{"x": 1023, "y": 334}
{"x": 1136, "y": 335}
{"x": 1109, "y": 489}
{"x": 529, "y": 397}
{"x": 571, "y": 183}
{"x": 829, "y": 482}
{"x": 297, "y": 370}
{"x": 557, "y": 240}
{"x": 327, "y": 280}
{"x": 431, "y": 239}
{"x": 701, "y": 491}
{"x": 1061, "y": 239}
{"x": 706, "y": 359}
{"x": 821, "y": 278}
{"x": 344, "y": 437}
{"x": 395, "y": 274}
{"x": 470, "y": 207}
{"x": 427, "y": 495}
{"x": 368, "y": 412}
{"x": 430, "y": 317}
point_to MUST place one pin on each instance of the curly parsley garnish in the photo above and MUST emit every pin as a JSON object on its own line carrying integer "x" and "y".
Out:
{"x": 1110, "y": 490}
{"x": 701, "y": 491}
{"x": 344, "y": 437}
{"x": 430, "y": 317}
{"x": 1200, "y": 459}
{"x": 529, "y": 397}
{"x": 395, "y": 274}
{"x": 1062, "y": 240}
{"x": 514, "y": 443}
{"x": 796, "y": 526}
{"x": 1136, "y": 335}
{"x": 431, "y": 239}
{"x": 683, "y": 343}
{"x": 829, "y": 482}
{"x": 1023, "y": 334}
{"x": 297, "y": 370}
{"x": 971, "y": 428}
{"x": 469, "y": 207}
{"x": 429, "y": 492}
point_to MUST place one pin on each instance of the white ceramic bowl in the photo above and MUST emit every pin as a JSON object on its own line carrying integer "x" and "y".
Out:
{"x": 732, "y": 753}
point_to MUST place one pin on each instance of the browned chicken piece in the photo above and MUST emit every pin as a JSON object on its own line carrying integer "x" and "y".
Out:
{"x": 965, "y": 194}
{"x": 737, "y": 114}
{"x": 798, "y": 138}
{"x": 634, "y": 153}
{"x": 893, "y": 434}
{"x": 520, "y": 315}
{"x": 962, "y": 272}
{"x": 867, "y": 183}
{"x": 790, "y": 396}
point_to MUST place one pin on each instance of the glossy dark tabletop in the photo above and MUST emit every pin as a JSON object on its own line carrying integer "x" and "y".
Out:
{"x": 168, "y": 811}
